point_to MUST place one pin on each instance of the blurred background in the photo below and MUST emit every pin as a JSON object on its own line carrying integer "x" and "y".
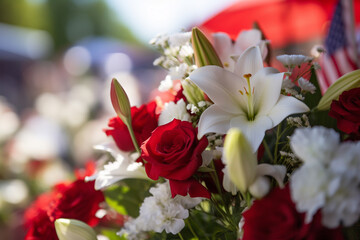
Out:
{"x": 57, "y": 58}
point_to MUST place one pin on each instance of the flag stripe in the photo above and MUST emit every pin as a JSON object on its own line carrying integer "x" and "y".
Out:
{"x": 340, "y": 46}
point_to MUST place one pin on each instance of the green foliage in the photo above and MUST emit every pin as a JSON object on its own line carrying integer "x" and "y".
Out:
{"x": 127, "y": 197}
{"x": 111, "y": 234}
{"x": 312, "y": 100}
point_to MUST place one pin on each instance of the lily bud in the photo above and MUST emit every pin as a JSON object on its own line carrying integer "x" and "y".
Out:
{"x": 260, "y": 187}
{"x": 69, "y": 229}
{"x": 348, "y": 81}
{"x": 120, "y": 101}
{"x": 204, "y": 52}
{"x": 240, "y": 159}
{"x": 192, "y": 92}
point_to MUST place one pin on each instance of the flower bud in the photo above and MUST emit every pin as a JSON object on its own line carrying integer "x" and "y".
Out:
{"x": 204, "y": 52}
{"x": 348, "y": 81}
{"x": 192, "y": 92}
{"x": 260, "y": 187}
{"x": 69, "y": 229}
{"x": 120, "y": 101}
{"x": 240, "y": 159}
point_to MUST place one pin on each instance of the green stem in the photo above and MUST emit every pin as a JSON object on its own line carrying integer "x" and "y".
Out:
{"x": 267, "y": 149}
{"x": 277, "y": 142}
{"x": 187, "y": 221}
{"x": 132, "y": 135}
{"x": 181, "y": 237}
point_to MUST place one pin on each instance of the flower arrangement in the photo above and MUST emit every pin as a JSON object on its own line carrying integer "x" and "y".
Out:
{"x": 230, "y": 148}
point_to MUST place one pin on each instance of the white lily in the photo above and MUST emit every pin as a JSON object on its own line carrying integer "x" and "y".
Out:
{"x": 123, "y": 167}
{"x": 248, "y": 99}
{"x": 227, "y": 50}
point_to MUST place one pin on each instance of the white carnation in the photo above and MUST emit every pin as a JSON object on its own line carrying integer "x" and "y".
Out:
{"x": 174, "y": 111}
{"x": 314, "y": 145}
{"x": 346, "y": 161}
{"x": 329, "y": 179}
{"x": 308, "y": 189}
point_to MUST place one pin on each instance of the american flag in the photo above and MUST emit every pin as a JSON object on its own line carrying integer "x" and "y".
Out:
{"x": 340, "y": 45}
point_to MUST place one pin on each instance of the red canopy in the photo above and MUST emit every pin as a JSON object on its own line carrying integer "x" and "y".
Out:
{"x": 282, "y": 21}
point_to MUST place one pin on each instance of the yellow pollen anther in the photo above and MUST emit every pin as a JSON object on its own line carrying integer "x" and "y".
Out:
{"x": 247, "y": 76}
{"x": 241, "y": 92}
{"x": 226, "y": 64}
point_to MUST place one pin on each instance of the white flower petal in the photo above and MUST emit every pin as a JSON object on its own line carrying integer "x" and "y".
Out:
{"x": 221, "y": 86}
{"x": 247, "y": 39}
{"x": 214, "y": 119}
{"x": 285, "y": 107}
{"x": 249, "y": 62}
{"x": 253, "y": 130}
{"x": 315, "y": 145}
{"x": 278, "y": 172}
{"x": 228, "y": 185}
{"x": 267, "y": 87}
{"x": 260, "y": 187}
{"x": 175, "y": 226}
{"x": 224, "y": 49}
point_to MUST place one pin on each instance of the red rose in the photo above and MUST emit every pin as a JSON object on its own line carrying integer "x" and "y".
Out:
{"x": 274, "y": 217}
{"x": 174, "y": 152}
{"x": 347, "y": 111}
{"x": 76, "y": 200}
{"x": 144, "y": 121}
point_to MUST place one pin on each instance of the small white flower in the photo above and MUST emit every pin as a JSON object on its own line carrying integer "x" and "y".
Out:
{"x": 178, "y": 72}
{"x": 166, "y": 84}
{"x": 123, "y": 167}
{"x": 306, "y": 85}
{"x": 160, "y": 212}
{"x": 314, "y": 145}
{"x": 179, "y": 39}
{"x": 287, "y": 83}
{"x": 174, "y": 111}
{"x": 291, "y": 61}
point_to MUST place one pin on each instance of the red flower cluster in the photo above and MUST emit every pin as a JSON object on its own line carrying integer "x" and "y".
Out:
{"x": 144, "y": 121}
{"x": 347, "y": 111}
{"x": 274, "y": 217}
{"x": 174, "y": 152}
{"x": 76, "y": 200}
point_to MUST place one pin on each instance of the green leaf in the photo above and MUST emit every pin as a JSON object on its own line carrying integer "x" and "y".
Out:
{"x": 127, "y": 197}
{"x": 111, "y": 234}
{"x": 348, "y": 81}
{"x": 205, "y": 169}
{"x": 312, "y": 100}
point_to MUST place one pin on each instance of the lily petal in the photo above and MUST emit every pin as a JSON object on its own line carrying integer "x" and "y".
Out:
{"x": 267, "y": 86}
{"x": 221, "y": 86}
{"x": 223, "y": 47}
{"x": 214, "y": 119}
{"x": 247, "y": 38}
{"x": 253, "y": 130}
{"x": 249, "y": 62}
{"x": 285, "y": 107}
{"x": 276, "y": 171}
